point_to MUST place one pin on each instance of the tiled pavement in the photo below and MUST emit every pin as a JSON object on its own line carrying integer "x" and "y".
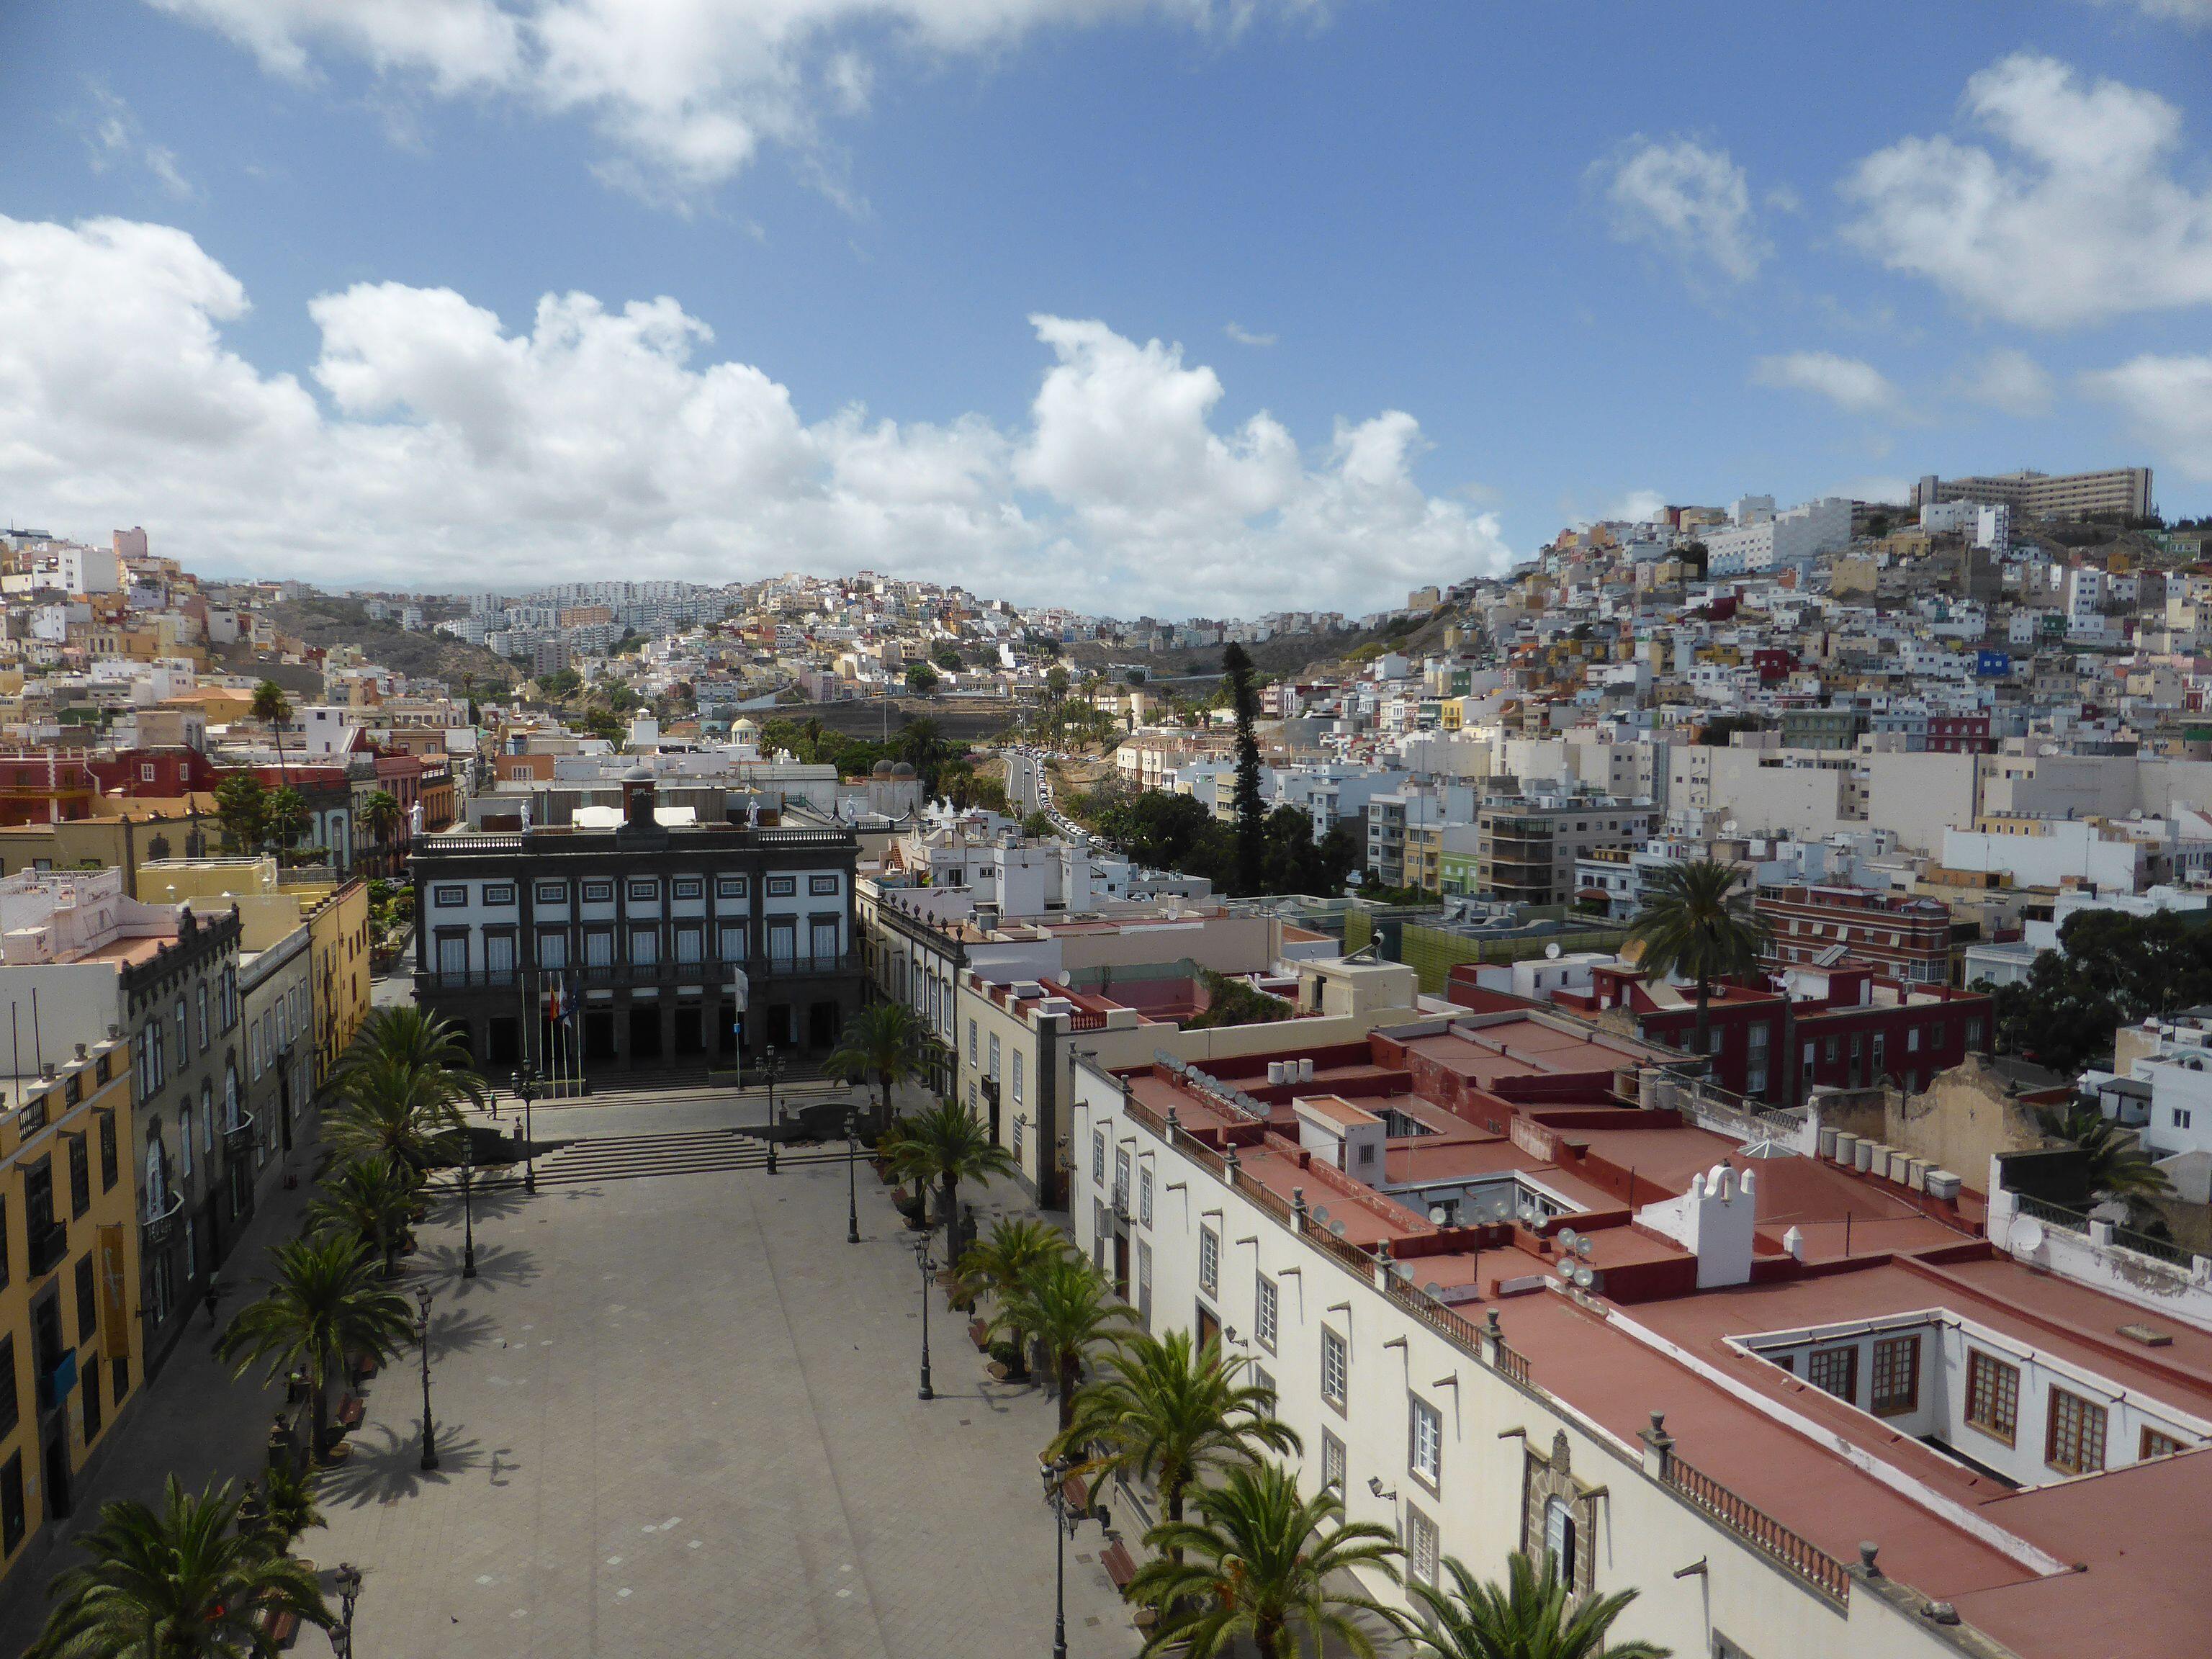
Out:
{"x": 677, "y": 1416}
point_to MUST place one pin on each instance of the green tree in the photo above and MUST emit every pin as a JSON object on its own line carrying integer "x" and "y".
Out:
{"x": 560, "y": 684}
{"x": 324, "y": 1299}
{"x": 2113, "y": 1162}
{"x": 408, "y": 1112}
{"x": 179, "y": 1582}
{"x": 1692, "y": 924}
{"x": 370, "y": 1200}
{"x": 273, "y": 708}
{"x": 1251, "y": 828}
{"x": 2110, "y": 969}
{"x": 241, "y": 805}
{"x": 946, "y": 1145}
{"x": 1001, "y": 1264}
{"x": 920, "y": 678}
{"x": 1164, "y": 1409}
{"x": 1264, "y": 1565}
{"x": 948, "y": 658}
{"x": 1038, "y": 825}
{"x": 886, "y": 1043}
{"x": 287, "y": 816}
{"x": 380, "y": 815}
{"x": 599, "y": 723}
{"x": 1532, "y": 1617}
{"x": 1067, "y": 1309}
{"x": 1056, "y": 682}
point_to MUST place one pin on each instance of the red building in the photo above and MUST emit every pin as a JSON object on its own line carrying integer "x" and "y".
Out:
{"x": 1960, "y": 734}
{"x": 1906, "y": 939}
{"x": 165, "y": 773}
{"x": 46, "y": 786}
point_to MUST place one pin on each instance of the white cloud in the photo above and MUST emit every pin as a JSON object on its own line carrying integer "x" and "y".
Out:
{"x": 1691, "y": 203}
{"x": 113, "y": 138}
{"x": 438, "y": 446}
{"x": 1637, "y": 507}
{"x": 1244, "y": 335}
{"x": 687, "y": 91}
{"x": 2198, "y": 14}
{"x": 2083, "y": 220}
{"x": 2168, "y": 401}
{"x": 2006, "y": 380}
{"x": 1854, "y": 386}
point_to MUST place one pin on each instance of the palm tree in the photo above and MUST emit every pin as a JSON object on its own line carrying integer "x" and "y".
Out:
{"x": 389, "y": 1107}
{"x": 1258, "y": 1564}
{"x": 1067, "y": 1309}
{"x": 889, "y": 1041}
{"x": 381, "y": 817}
{"x": 372, "y": 1199}
{"x": 326, "y": 1300}
{"x": 273, "y": 708}
{"x": 176, "y": 1582}
{"x": 287, "y": 1505}
{"x": 1529, "y": 1619}
{"x": 2113, "y": 1162}
{"x": 947, "y": 1144}
{"x": 1001, "y": 1265}
{"x": 408, "y": 1037}
{"x": 1690, "y": 926}
{"x": 1166, "y": 1410}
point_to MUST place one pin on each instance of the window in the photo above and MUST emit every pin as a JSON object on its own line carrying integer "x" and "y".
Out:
{"x": 1098, "y": 1158}
{"x": 821, "y": 886}
{"x": 1560, "y": 1542}
{"x": 110, "y": 1168}
{"x": 993, "y": 1070}
{"x": 1331, "y": 1460}
{"x": 447, "y": 898}
{"x": 1120, "y": 1173}
{"x": 2074, "y": 1437}
{"x": 1425, "y": 1442}
{"x": 552, "y": 949}
{"x": 2156, "y": 1442}
{"x": 729, "y": 887}
{"x": 1912, "y": 1041}
{"x": 1209, "y": 1260}
{"x": 499, "y": 893}
{"x": 203, "y": 1010}
{"x": 687, "y": 889}
{"x": 1019, "y": 1124}
{"x": 1836, "y": 1370}
{"x": 551, "y": 892}
{"x": 971, "y": 1042}
{"x": 783, "y": 886}
{"x": 598, "y": 893}
{"x": 88, "y": 1305}
{"x": 2181, "y": 1117}
{"x": 1992, "y": 1395}
{"x": 1896, "y": 1375}
{"x": 79, "y": 1175}
{"x": 1017, "y": 1089}
{"x": 643, "y": 889}
{"x": 1265, "y": 1303}
{"x": 13, "y": 1524}
{"x": 1144, "y": 1193}
{"x": 119, "y": 1378}
{"x": 185, "y": 1138}
{"x": 1420, "y": 1546}
{"x": 1974, "y": 1034}
{"x": 1145, "y": 1283}
{"x": 10, "y": 1407}
{"x": 1335, "y": 1368}
{"x": 732, "y": 946}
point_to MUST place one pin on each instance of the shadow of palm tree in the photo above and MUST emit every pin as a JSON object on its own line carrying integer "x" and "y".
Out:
{"x": 496, "y": 1264}
{"x": 382, "y": 1464}
{"x": 454, "y": 1331}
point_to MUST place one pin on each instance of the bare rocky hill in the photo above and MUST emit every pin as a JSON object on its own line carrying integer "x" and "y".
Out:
{"x": 333, "y": 619}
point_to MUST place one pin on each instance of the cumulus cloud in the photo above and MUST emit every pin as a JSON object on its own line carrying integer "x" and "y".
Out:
{"x": 2082, "y": 218}
{"x": 1691, "y": 203}
{"x": 432, "y": 443}
{"x": 2006, "y": 380}
{"x": 2168, "y": 401}
{"x": 1854, "y": 387}
{"x": 686, "y": 91}
{"x": 2198, "y": 14}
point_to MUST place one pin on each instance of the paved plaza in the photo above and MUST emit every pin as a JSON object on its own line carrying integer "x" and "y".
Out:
{"x": 677, "y": 1415}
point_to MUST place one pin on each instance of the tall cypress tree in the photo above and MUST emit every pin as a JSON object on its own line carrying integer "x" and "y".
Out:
{"x": 1251, "y": 826}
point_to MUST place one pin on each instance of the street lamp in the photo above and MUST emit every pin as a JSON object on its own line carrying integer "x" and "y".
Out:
{"x": 347, "y": 1580}
{"x": 852, "y": 1176}
{"x": 928, "y": 1266}
{"x": 429, "y": 1430}
{"x": 525, "y": 1087}
{"x": 773, "y": 1065}
{"x": 1064, "y": 1524}
{"x": 468, "y": 1210}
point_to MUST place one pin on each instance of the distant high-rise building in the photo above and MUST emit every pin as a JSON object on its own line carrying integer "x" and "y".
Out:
{"x": 2124, "y": 489}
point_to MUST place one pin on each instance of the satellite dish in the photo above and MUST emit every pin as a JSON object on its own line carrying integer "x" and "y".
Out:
{"x": 1337, "y": 1227}
{"x": 1565, "y": 1269}
{"x": 1551, "y": 953}
{"x": 2027, "y": 1236}
{"x": 1321, "y": 1212}
{"x": 1583, "y": 1245}
{"x": 1404, "y": 1271}
{"x": 1585, "y": 1277}
{"x": 1433, "y": 1289}
{"x": 1439, "y": 1215}
{"x": 1729, "y": 827}
{"x": 1567, "y": 1236}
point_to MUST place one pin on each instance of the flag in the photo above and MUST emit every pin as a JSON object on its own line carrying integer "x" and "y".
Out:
{"x": 568, "y": 1004}
{"x": 555, "y": 1007}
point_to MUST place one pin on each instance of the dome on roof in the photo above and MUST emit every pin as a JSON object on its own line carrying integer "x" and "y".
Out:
{"x": 882, "y": 769}
{"x": 640, "y": 773}
{"x": 902, "y": 770}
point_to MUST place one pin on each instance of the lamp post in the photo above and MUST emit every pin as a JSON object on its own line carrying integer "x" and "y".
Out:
{"x": 928, "y": 1266}
{"x": 468, "y": 1210}
{"x": 1063, "y": 1528}
{"x": 429, "y": 1430}
{"x": 852, "y": 1176}
{"x": 347, "y": 1580}
{"x": 525, "y": 1087}
{"x": 773, "y": 1065}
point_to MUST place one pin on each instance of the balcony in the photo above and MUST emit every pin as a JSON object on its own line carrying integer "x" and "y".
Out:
{"x": 49, "y": 1247}
{"x": 238, "y": 1139}
{"x": 636, "y": 973}
{"x": 155, "y": 1232}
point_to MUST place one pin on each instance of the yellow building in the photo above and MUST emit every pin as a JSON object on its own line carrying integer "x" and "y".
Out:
{"x": 338, "y": 939}
{"x": 71, "y": 1351}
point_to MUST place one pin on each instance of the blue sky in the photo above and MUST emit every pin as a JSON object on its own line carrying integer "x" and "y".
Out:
{"x": 910, "y": 278}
